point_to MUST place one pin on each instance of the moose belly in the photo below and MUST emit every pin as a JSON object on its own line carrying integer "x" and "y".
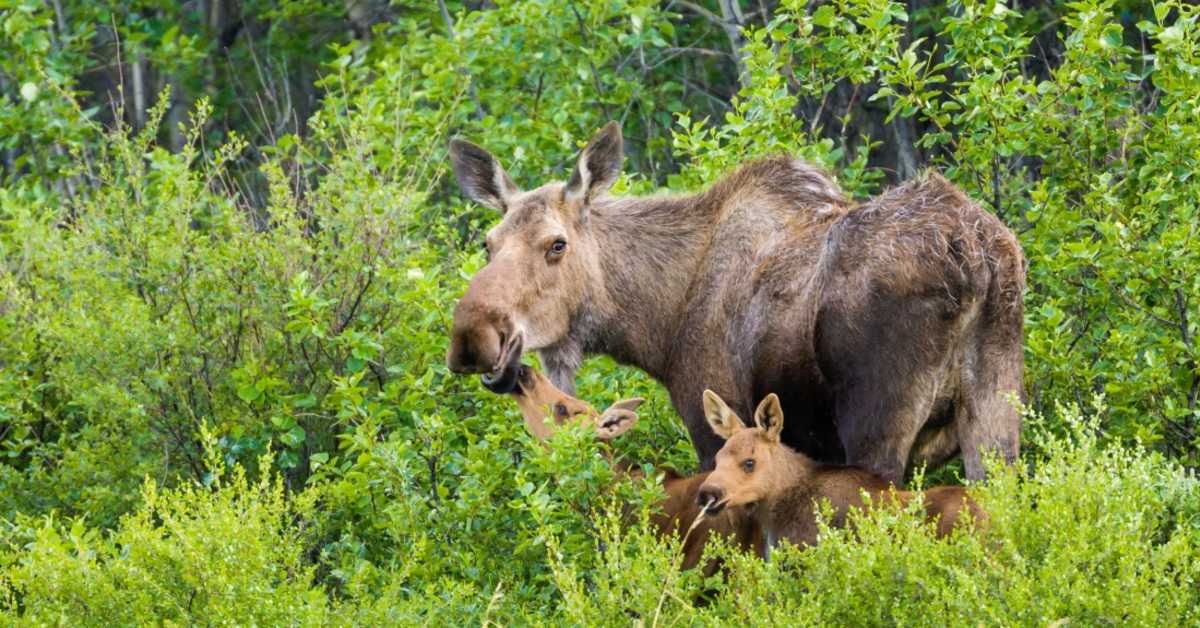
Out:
{"x": 807, "y": 404}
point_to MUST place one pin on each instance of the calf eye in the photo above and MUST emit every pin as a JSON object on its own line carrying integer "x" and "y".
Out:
{"x": 748, "y": 465}
{"x": 557, "y": 249}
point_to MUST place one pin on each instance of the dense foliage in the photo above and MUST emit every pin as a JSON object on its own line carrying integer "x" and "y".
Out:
{"x": 229, "y": 254}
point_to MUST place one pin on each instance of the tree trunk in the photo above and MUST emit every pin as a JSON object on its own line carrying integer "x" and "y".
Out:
{"x": 908, "y": 161}
{"x": 138, "y": 77}
{"x": 732, "y": 21}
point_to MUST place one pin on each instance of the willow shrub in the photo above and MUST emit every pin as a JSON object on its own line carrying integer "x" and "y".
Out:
{"x": 1083, "y": 534}
{"x": 228, "y": 552}
{"x": 156, "y": 302}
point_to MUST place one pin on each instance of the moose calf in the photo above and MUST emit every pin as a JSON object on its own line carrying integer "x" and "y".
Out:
{"x": 545, "y": 408}
{"x": 779, "y": 487}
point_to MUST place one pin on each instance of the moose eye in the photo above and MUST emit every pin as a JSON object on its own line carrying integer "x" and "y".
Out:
{"x": 558, "y": 248}
{"x": 748, "y": 465}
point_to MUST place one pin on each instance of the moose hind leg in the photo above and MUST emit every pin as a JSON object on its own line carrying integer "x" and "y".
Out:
{"x": 992, "y": 375}
{"x": 887, "y": 363}
{"x": 878, "y": 422}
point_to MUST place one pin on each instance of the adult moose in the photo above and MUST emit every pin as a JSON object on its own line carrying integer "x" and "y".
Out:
{"x": 890, "y": 329}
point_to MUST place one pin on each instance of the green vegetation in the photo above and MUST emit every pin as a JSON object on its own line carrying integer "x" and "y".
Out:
{"x": 229, "y": 253}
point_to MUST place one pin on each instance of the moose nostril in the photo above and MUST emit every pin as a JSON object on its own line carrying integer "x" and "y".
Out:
{"x": 707, "y": 498}
{"x": 460, "y": 357}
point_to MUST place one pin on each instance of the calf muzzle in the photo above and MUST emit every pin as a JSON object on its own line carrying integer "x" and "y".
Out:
{"x": 710, "y": 499}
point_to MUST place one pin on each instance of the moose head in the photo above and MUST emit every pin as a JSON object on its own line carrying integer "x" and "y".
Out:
{"x": 541, "y": 259}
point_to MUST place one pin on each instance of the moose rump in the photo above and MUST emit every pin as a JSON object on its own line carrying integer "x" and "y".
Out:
{"x": 903, "y": 319}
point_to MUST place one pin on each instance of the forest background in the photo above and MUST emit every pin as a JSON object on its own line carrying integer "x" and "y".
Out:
{"x": 229, "y": 251}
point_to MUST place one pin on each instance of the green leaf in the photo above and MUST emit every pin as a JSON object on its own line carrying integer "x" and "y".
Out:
{"x": 824, "y": 16}
{"x": 249, "y": 393}
{"x": 294, "y": 437}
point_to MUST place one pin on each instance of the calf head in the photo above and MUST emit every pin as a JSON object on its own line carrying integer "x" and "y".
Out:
{"x": 747, "y": 467}
{"x": 541, "y": 259}
{"x": 545, "y": 408}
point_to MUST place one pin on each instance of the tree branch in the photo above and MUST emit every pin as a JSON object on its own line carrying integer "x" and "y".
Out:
{"x": 1189, "y": 342}
{"x": 587, "y": 40}
{"x": 470, "y": 81}
{"x": 731, "y": 21}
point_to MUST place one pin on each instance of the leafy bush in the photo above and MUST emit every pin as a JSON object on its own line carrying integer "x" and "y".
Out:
{"x": 1084, "y": 534}
{"x": 229, "y": 553}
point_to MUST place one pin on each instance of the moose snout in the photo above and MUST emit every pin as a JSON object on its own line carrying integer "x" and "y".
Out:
{"x": 710, "y": 499}
{"x": 484, "y": 341}
{"x": 479, "y": 337}
{"x": 474, "y": 348}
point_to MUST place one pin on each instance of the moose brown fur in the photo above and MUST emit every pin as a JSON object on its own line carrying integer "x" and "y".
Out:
{"x": 891, "y": 329}
{"x": 545, "y": 408}
{"x": 780, "y": 487}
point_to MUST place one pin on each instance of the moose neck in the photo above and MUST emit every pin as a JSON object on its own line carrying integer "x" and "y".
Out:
{"x": 648, "y": 252}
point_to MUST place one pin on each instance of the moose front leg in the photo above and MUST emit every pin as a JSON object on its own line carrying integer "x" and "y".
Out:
{"x": 560, "y": 362}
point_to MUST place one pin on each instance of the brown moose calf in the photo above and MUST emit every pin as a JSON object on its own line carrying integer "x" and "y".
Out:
{"x": 545, "y": 408}
{"x": 779, "y": 487}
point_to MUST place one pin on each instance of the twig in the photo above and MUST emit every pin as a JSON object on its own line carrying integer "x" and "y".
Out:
{"x": 703, "y": 91}
{"x": 1188, "y": 341}
{"x": 587, "y": 40}
{"x": 669, "y": 581}
{"x": 467, "y": 73}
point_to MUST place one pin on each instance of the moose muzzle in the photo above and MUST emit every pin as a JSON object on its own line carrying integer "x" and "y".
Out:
{"x": 493, "y": 351}
{"x": 711, "y": 499}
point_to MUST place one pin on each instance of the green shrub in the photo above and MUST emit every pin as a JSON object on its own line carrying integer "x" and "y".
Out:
{"x": 1085, "y": 533}
{"x": 227, "y": 553}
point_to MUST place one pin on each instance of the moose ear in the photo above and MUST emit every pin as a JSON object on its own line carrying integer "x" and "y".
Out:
{"x": 769, "y": 416}
{"x": 722, "y": 420}
{"x": 480, "y": 175}
{"x": 598, "y": 168}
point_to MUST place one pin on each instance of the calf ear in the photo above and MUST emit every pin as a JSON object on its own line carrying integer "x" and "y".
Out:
{"x": 480, "y": 175}
{"x": 614, "y": 422}
{"x": 630, "y": 404}
{"x": 722, "y": 420}
{"x": 598, "y": 168}
{"x": 769, "y": 416}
